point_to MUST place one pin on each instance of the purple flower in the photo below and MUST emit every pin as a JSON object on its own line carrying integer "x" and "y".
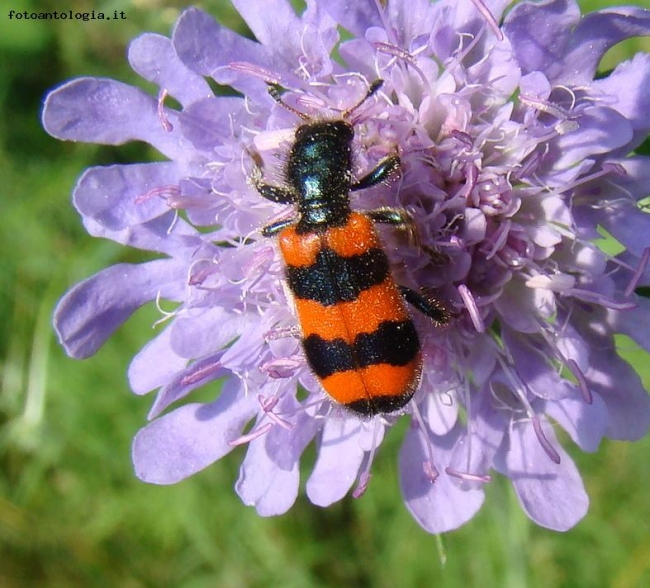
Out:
{"x": 513, "y": 155}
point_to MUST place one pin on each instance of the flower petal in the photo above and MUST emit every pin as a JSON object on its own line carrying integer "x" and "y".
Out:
{"x": 165, "y": 234}
{"x": 634, "y": 323}
{"x": 202, "y": 331}
{"x": 540, "y": 33}
{"x": 551, "y": 494}
{"x": 155, "y": 364}
{"x": 474, "y": 452}
{"x": 196, "y": 375}
{"x": 270, "y": 474}
{"x": 207, "y": 48}
{"x": 274, "y": 23}
{"x": 585, "y": 423}
{"x": 339, "y": 458}
{"x": 154, "y": 58}
{"x": 103, "y": 111}
{"x": 91, "y": 311}
{"x": 629, "y": 84}
{"x": 116, "y": 196}
{"x": 596, "y": 34}
{"x": 356, "y": 17}
{"x": 628, "y": 403}
{"x": 438, "y": 506}
{"x": 534, "y": 369}
{"x": 601, "y": 130}
{"x": 192, "y": 437}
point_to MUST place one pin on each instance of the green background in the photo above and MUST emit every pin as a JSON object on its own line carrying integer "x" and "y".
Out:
{"x": 71, "y": 511}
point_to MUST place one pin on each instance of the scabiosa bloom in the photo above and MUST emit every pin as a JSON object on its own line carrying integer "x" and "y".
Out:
{"x": 513, "y": 154}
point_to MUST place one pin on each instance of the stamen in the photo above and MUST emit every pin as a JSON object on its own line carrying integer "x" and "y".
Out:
{"x": 471, "y": 181}
{"x": 599, "y": 299}
{"x": 282, "y": 367}
{"x": 168, "y": 192}
{"x": 467, "y": 476}
{"x": 502, "y": 234}
{"x": 268, "y": 404}
{"x": 254, "y": 434}
{"x": 517, "y": 388}
{"x": 282, "y": 332}
{"x": 399, "y": 53}
{"x": 162, "y": 115}
{"x": 201, "y": 373}
{"x": 472, "y": 308}
{"x": 545, "y": 106}
{"x": 428, "y": 466}
{"x": 172, "y": 224}
{"x": 544, "y": 442}
{"x": 489, "y": 17}
{"x": 640, "y": 270}
{"x": 364, "y": 477}
{"x": 582, "y": 381}
{"x": 166, "y": 314}
{"x": 606, "y": 169}
{"x": 257, "y": 72}
{"x": 200, "y": 270}
{"x": 430, "y": 471}
{"x": 529, "y": 166}
{"x": 362, "y": 486}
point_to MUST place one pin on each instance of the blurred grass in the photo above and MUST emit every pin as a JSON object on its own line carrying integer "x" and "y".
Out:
{"x": 71, "y": 511}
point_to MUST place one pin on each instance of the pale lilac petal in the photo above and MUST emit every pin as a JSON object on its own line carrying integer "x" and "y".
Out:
{"x": 284, "y": 445}
{"x": 533, "y": 368}
{"x": 204, "y": 45}
{"x": 202, "y": 331}
{"x": 98, "y": 110}
{"x": 634, "y": 180}
{"x": 271, "y": 490}
{"x": 585, "y": 423}
{"x": 438, "y": 506}
{"x": 441, "y": 411}
{"x": 474, "y": 452}
{"x": 207, "y": 48}
{"x": 601, "y": 130}
{"x": 356, "y": 17}
{"x": 627, "y": 401}
{"x": 337, "y": 466}
{"x": 551, "y": 494}
{"x": 412, "y": 19}
{"x": 91, "y": 311}
{"x": 629, "y": 84}
{"x": 634, "y": 323}
{"x": 192, "y": 437}
{"x": 269, "y": 475}
{"x": 209, "y": 123}
{"x": 117, "y": 196}
{"x": 154, "y": 364}
{"x": 540, "y": 33}
{"x": 154, "y": 58}
{"x": 595, "y": 34}
{"x": 196, "y": 375}
{"x": 274, "y": 23}
{"x": 629, "y": 225}
{"x": 165, "y": 234}
{"x": 524, "y": 309}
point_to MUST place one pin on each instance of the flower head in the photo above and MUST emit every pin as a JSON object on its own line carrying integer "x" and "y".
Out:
{"x": 513, "y": 154}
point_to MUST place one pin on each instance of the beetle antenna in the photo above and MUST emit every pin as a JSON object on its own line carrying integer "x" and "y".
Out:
{"x": 275, "y": 94}
{"x": 371, "y": 91}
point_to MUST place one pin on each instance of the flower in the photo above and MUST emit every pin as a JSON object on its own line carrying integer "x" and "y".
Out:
{"x": 513, "y": 154}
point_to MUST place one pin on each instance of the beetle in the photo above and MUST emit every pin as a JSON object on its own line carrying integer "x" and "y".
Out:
{"x": 357, "y": 334}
